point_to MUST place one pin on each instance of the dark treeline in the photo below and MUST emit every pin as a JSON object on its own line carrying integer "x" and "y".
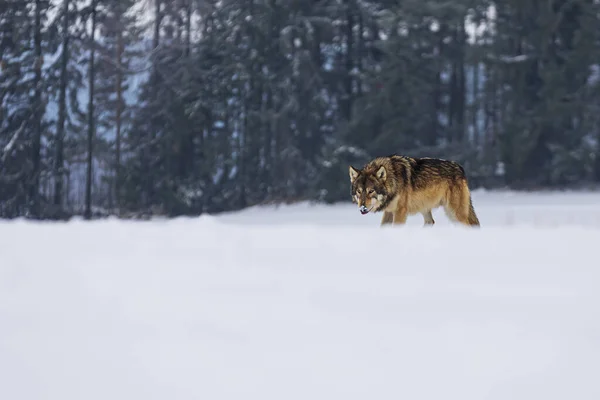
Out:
{"x": 181, "y": 107}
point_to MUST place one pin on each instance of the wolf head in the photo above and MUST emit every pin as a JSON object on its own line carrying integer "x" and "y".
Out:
{"x": 369, "y": 188}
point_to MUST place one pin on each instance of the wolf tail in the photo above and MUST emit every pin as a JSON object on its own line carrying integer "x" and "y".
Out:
{"x": 472, "y": 218}
{"x": 460, "y": 205}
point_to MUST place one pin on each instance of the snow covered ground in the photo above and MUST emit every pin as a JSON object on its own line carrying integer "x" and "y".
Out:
{"x": 306, "y": 302}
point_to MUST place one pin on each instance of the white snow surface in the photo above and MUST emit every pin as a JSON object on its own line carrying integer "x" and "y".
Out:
{"x": 306, "y": 302}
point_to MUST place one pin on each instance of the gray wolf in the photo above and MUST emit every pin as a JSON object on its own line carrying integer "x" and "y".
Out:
{"x": 400, "y": 186}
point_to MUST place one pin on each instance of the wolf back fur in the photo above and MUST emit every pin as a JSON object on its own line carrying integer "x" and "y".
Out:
{"x": 400, "y": 186}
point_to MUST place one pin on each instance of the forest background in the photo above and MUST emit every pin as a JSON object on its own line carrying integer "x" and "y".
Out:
{"x": 184, "y": 107}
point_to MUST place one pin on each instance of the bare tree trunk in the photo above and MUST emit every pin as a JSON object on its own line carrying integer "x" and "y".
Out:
{"x": 62, "y": 110}
{"x": 461, "y": 134}
{"x": 91, "y": 127}
{"x": 475, "y": 96}
{"x": 432, "y": 136}
{"x": 188, "y": 28}
{"x": 119, "y": 112}
{"x": 360, "y": 54}
{"x": 157, "y": 21}
{"x": 38, "y": 114}
{"x": 349, "y": 61}
{"x": 149, "y": 187}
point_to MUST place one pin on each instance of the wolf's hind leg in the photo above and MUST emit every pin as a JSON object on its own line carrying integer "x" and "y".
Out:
{"x": 428, "y": 218}
{"x": 460, "y": 206}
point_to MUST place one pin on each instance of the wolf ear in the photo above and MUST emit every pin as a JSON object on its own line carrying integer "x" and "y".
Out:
{"x": 381, "y": 173}
{"x": 353, "y": 173}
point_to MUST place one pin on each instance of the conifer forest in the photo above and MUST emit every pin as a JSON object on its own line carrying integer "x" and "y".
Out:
{"x": 183, "y": 107}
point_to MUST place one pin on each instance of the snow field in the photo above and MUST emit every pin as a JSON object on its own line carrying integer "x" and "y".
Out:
{"x": 306, "y": 302}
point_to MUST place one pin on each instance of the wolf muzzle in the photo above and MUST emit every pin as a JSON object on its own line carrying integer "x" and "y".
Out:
{"x": 364, "y": 210}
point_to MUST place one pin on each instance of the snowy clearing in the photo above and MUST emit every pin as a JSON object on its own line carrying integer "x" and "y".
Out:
{"x": 306, "y": 302}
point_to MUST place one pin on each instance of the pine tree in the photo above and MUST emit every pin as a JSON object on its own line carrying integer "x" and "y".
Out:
{"x": 118, "y": 51}
{"x": 91, "y": 13}
{"x": 23, "y": 45}
{"x": 545, "y": 62}
{"x": 65, "y": 82}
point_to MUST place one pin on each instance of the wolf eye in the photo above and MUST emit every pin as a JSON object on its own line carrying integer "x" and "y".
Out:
{"x": 371, "y": 191}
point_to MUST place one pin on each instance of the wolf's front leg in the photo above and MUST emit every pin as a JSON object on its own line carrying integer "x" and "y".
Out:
{"x": 400, "y": 216}
{"x": 387, "y": 218}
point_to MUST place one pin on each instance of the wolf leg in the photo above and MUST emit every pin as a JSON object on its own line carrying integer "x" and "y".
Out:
{"x": 460, "y": 206}
{"x": 387, "y": 218}
{"x": 400, "y": 216}
{"x": 428, "y": 218}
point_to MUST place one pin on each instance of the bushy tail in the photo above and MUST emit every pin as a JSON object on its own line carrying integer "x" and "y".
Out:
{"x": 460, "y": 206}
{"x": 472, "y": 218}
